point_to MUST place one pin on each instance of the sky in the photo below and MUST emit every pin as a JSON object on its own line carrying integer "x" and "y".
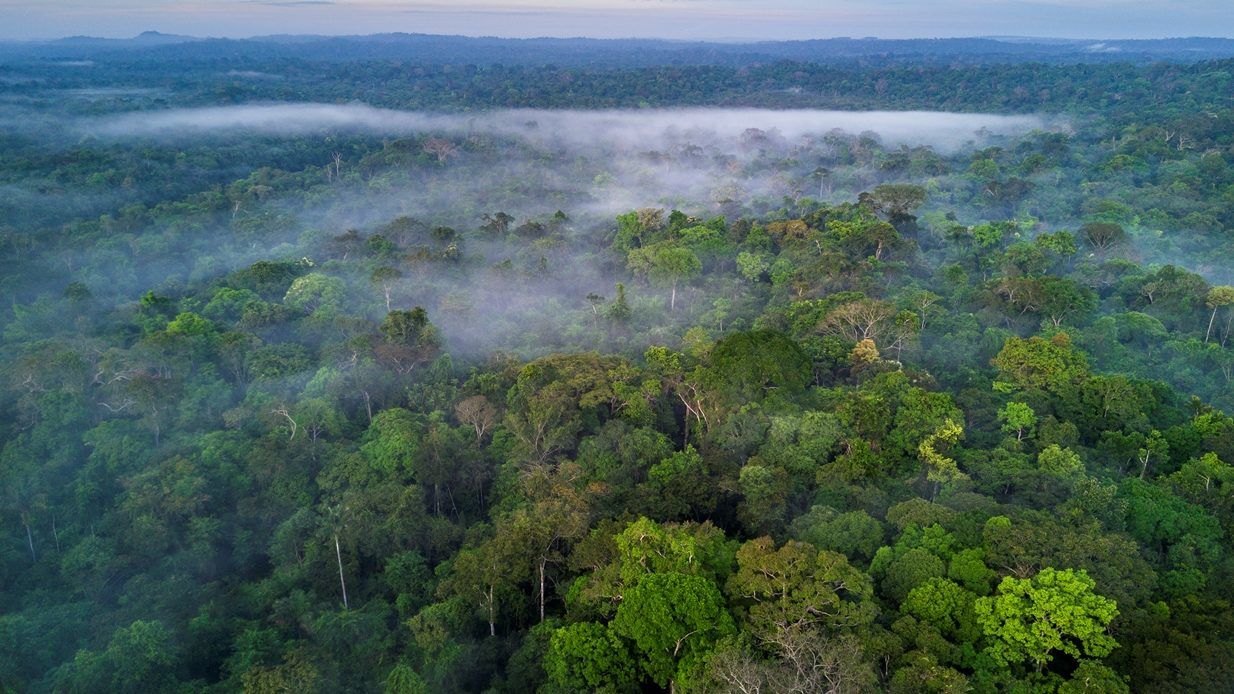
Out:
{"x": 674, "y": 19}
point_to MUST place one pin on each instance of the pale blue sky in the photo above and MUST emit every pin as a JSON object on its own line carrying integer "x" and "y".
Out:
{"x": 681, "y": 19}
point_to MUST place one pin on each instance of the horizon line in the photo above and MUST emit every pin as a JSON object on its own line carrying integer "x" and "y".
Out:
{"x": 577, "y": 37}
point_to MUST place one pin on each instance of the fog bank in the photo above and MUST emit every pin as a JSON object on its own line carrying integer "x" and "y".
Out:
{"x": 620, "y": 128}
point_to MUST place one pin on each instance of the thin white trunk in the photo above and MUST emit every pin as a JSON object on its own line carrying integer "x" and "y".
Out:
{"x": 542, "y": 561}
{"x": 492, "y": 619}
{"x": 342, "y": 583}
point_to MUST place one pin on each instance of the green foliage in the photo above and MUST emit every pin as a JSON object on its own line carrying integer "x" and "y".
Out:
{"x": 1030, "y": 620}
{"x": 1047, "y": 364}
{"x": 673, "y": 621}
{"x": 797, "y": 587}
{"x": 589, "y": 656}
{"x": 945, "y": 606}
{"x": 239, "y": 378}
{"x": 754, "y": 365}
{"x": 1019, "y": 419}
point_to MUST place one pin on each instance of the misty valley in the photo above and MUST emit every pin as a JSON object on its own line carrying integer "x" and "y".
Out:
{"x": 346, "y": 365}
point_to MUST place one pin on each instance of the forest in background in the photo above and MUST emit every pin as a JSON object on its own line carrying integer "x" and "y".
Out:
{"x": 338, "y": 398}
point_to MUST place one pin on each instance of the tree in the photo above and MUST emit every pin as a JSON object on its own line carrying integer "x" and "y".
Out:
{"x": 486, "y": 575}
{"x": 925, "y": 304}
{"x": 682, "y": 486}
{"x": 1102, "y": 236}
{"x": 863, "y": 319}
{"x": 645, "y": 547}
{"x": 900, "y": 569}
{"x": 1018, "y": 418}
{"x": 410, "y": 340}
{"x": 1050, "y": 364}
{"x": 749, "y": 365}
{"x": 764, "y": 491}
{"x": 138, "y": 658}
{"x": 590, "y": 657}
{"x": 940, "y": 469}
{"x": 1091, "y": 677}
{"x": 556, "y": 517}
{"x": 595, "y": 300}
{"x": 553, "y": 397}
{"x": 897, "y": 199}
{"x": 855, "y": 534}
{"x": 497, "y": 224}
{"x": 923, "y": 673}
{"x": 781, "y": 592}
{"x": 619, "y": 311}
{"x": 393, "y": 442}
{"x": 1216, "y": 299}
{"x": 334, "y": 515}
{"x": 1155, "y": 445}
{"x": 1031, "y": 620}
{"x": 385, "y": 277}
{"x": 296, "y": 673}
{"x": 478, "y": 413}
{"x": 666, "y": 263}
{"x": 1059, "y": 298}
{"x": 752, "y": 266}
{"x": 403, "y": 679}
{"x": 673, "y": 620}
{"x": 1059, "y": 461}
{"x": 946, "y": 606}
{"x": 314, "y": 291}
{"x": 440, "y": 148}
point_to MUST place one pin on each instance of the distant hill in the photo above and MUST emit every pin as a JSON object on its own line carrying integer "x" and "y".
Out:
{"x": 435, "y": 49}
{"x": 142, "y": 40}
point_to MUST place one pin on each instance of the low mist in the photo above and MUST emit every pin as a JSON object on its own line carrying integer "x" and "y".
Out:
{"x": 622, "y": 129}
{"x": 452, "y": 170}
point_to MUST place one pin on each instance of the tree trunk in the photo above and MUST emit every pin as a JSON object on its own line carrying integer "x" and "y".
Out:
{"x": 672, "y": 302}
{"x": 1210, "y": 325}
{"x": 492, "y": 620}
{"x": 342, "y": 583}
{"x": 30, "y": 541}
{"x": 542, "y": 562}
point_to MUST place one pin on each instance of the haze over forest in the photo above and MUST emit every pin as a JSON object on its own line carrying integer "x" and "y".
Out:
{"x": 336, "y": 361}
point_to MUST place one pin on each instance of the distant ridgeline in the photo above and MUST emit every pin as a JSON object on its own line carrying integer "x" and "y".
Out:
{"x": 625, "y": 53}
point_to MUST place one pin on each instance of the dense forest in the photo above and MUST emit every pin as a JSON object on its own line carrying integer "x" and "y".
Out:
{"x": 348, "y": 371}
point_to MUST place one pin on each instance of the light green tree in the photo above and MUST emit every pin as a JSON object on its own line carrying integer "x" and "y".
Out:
{"x": 590, "y": 657}
{"x": 940, "y": 469}
{"x": 1033, "y": 619}
{"x": 1018, "y": 418}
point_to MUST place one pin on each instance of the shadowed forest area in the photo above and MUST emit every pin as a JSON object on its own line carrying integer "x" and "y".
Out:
{"x": 431, "y": 364}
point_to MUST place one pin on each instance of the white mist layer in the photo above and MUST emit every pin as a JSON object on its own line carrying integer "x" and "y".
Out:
{"x": 625, "y": 129}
